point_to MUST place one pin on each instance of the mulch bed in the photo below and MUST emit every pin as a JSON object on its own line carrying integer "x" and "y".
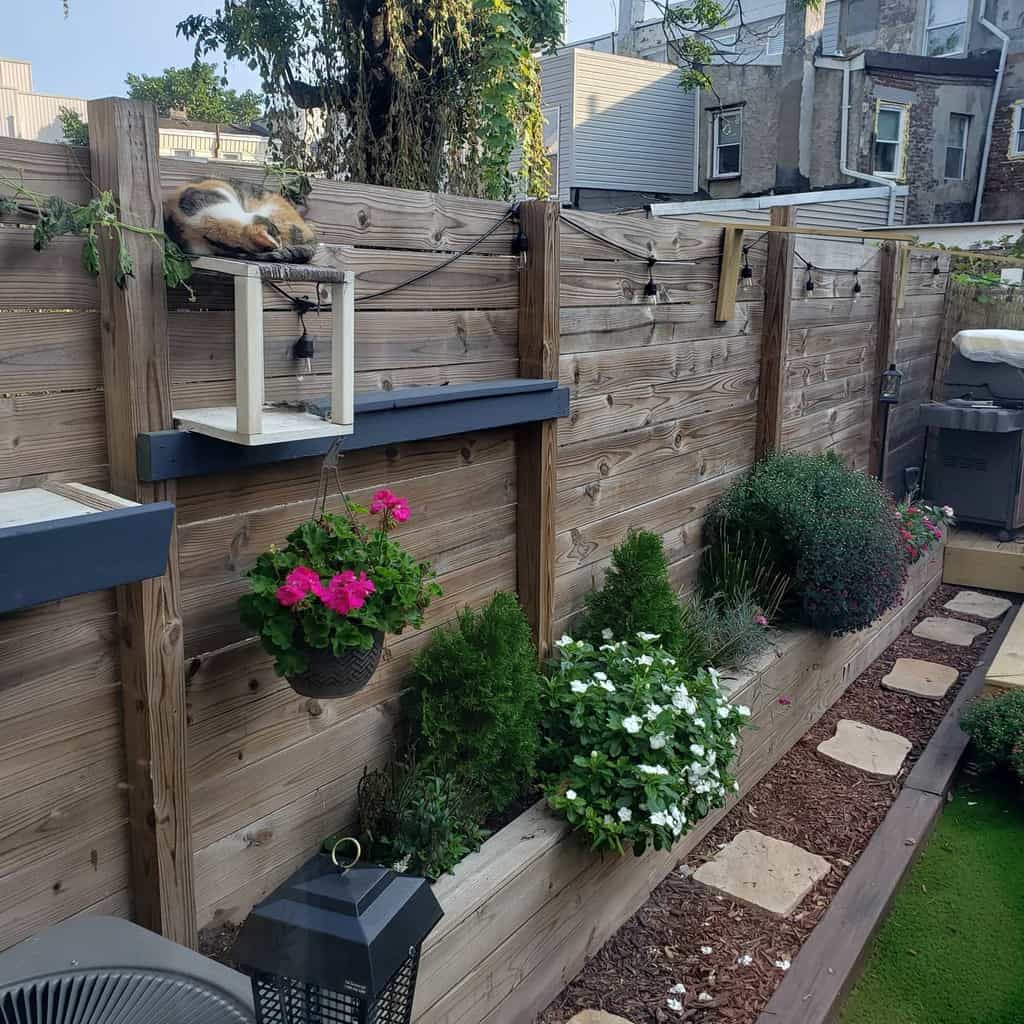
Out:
{"x": 825, "y": 807}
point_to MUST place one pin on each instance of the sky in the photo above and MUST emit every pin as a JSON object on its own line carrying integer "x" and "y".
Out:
{"x": 89, "y": 53}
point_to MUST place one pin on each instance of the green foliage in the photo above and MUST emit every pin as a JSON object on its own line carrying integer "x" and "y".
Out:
{"x": 739, "y": 570}
{"x": 425, "y": 94}
{"x": 199, "y": 91}
{"x": 472, "y": 707}
{"x": 414, "y": 819}
{"x": 289, "y": 624}
{"x": 831, "y": 530}
{"x": 636, "y": 750}
{"x": 76, "y": 131}
{"x": 724, "y": 633}
{"x": 996, "y": 728}
{"x": 636, "y": 596}
{"x": 55, "y": 216}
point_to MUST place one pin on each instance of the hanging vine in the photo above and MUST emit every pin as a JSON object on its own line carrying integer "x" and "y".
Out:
{"x": 422, "y": 94}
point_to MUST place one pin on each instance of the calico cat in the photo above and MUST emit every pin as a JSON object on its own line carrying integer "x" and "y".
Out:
{"x": 233, "y": 218}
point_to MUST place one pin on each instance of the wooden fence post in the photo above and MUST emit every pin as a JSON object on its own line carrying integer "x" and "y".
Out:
{"x": 123, "y": 144}
{"x": 889, "y": 289}
{"x": 537, "y": 443}
{"x": 778, "y": 290}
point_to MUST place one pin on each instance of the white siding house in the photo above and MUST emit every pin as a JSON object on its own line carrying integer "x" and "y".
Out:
{"x": 625, "y": 125}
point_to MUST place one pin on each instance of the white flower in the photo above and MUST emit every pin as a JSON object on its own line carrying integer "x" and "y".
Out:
{"x": 600, "y": 676}
{"x": 712, "y": 757}
{"x": 607, "y": 685}
{"x": 645, "y": 659}
{"x": 667, "y": 658}
{"x": 652, "y": 712}
{"x": 659, "y": 818}
{"x": 783, "y": 965}
{"x": 700, "y": 723}
{"x": 745, "y": 961}
{"x": 723, "y": 711}
{"x": 608, "y": 819}
{"x": 649, "y": 637}
{"x": 606, "y": 633}
{"x": 578, "y": 687}
{"x": 678, "y": 989}
{"x": 683, "y": 702}
{"x": 401, "y": 866}
{"x": 658, "y": 740}
{"x": 697, "y": 769}
{"x": 607, "y": 647}
{"x": 570, "y": 794}
{"x": 714, "y": 675}
{"x": 947, "y": 510}
{"x": 673, "y": 1004}
{"x": 732, "y": 739}
{"x": 706, "y": 950}
{"x": 703, "y": 998}
{"x": 696, "y": 749}
{"x": 632, "y": 724}
{"x": 652, "y": 769}
{"x": 625, "y": 814}
{"x": 564, "y": 641}
{"x": 735, "y": 786}
{"x": 743, "y": 710}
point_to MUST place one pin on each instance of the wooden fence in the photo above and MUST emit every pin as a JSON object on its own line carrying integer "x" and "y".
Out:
{"x": 151, "y": 762}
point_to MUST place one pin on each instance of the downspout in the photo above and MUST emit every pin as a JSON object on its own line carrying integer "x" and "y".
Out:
{"x": 846, "y": 64}
{"x": 983, "y": 173}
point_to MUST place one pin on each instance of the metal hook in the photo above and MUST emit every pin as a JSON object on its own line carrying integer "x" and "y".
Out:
{"x": 355, "y": 859}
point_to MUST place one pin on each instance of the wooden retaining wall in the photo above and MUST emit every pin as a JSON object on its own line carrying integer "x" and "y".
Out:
{"x": 524, "y": 913}
{"x": 663, "y": 417}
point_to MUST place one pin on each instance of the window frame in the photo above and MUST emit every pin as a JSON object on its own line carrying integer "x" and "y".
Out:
{"x": 780, "y": 35}
{"x": 1016, "y": 131}
{"x": 900, "y": 142}
{"x": 716, "y": 119}
{"x": 184, "y": 154}
{"x": 929, "y": 28}
{"x": 966, "y": 121}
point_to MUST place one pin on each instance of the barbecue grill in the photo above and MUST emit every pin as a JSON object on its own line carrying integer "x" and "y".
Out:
{"x": 978, "y": 462}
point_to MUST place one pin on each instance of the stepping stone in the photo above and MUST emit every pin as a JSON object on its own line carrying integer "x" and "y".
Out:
{"x": 948, "y": 631}
{"x": 865, "y": 747}
{"x": 597, "y": 1017}
{"x": 984, "y": 606}
{"x": 921, "y": 678}
{"x": 764, "y": 872}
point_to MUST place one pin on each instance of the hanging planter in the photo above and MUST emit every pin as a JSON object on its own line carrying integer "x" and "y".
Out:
{"x": 323, "y": 604}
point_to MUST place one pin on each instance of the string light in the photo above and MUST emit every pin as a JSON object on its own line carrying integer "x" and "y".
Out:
{"x": 856, "y": 284}
{"x": 809, "y": 283}
{"x": 747, "y": 273}
{"x": 935, "y": 271}
{"x": 651, "y": 288}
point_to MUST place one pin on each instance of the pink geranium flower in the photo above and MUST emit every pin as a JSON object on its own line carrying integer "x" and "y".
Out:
{"x": 346, "y": 592}
{"x": 392, "y": 506}
{"x": 302, "y": 578}
{"x": 290, "y": 594}
{"x": 761, "y": 619}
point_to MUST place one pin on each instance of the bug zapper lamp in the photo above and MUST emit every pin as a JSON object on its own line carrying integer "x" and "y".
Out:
{"x": 337, "y": 945}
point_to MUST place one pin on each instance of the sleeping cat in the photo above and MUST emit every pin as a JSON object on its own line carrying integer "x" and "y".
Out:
{"x": 232, "y": 218}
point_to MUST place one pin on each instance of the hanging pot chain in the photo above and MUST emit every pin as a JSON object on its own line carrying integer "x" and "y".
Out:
{"x": 331, "y": 465}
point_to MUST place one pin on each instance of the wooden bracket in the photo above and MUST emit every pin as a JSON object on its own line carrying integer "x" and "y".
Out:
{"x": 728, "y": 277}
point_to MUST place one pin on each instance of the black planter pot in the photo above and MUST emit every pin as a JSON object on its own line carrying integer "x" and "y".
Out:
{"x": 331, "y": 676}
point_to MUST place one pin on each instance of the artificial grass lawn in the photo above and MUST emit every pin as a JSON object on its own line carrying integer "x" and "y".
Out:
{"x": 951, "y": 950}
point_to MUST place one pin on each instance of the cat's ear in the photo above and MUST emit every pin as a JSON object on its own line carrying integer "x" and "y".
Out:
{"x": 261, "y": 239}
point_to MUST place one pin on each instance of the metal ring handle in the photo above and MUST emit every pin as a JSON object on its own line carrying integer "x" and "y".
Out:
{"x": 355, "y": 859}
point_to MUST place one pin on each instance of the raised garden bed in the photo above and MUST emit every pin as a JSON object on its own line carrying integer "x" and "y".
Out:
{"x": 523, "y": 914}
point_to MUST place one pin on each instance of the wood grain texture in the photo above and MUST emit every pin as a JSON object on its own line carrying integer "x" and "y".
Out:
{"x": 537, "y": 443}
{"x": 772, "y": 378}
{"x": 54, "y": 170}
{"x": 136, "y": 376}
{"x": 728, "y": 274}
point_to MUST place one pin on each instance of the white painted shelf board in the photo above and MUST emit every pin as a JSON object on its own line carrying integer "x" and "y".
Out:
{"x": 57, "y": 501}
{"x": 278, "y": 426}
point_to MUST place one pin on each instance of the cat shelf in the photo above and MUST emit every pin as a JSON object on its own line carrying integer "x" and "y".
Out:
{"x": 250, "y": 421}
{"x": 62, "y": 539}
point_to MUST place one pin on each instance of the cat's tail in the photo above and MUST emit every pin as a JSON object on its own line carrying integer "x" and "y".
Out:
{"x": 286, "y": 254}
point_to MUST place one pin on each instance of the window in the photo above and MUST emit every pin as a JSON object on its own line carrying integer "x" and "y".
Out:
{"x": 1017, "y": 131}
{"x": 946, "y": 31}
{"x": 956, "y": 146}
{"x": 724, "y": 43}
{"x": 773, "y": 45}
{"x": 185, "y": 154}
{"x": 231, "y": 156}
{"x": 890, "y": 130}
{"x": 726, "y": 143}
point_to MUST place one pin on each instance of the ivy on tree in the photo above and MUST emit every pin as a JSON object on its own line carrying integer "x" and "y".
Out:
{"x": 423, "y": 94}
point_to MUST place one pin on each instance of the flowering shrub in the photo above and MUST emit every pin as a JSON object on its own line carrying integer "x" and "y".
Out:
{"x": 921, "y": 526}
{"x": 832, "y": 531}
{"x": 636, "y": 751}
{"x": 336, "y": 585}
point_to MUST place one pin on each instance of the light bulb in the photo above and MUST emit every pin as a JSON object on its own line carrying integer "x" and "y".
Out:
{"x": 747, "y": 278}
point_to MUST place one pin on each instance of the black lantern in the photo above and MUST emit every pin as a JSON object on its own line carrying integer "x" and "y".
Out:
{"x": 892, "y": 383}
{"x": 337, "y": 946}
